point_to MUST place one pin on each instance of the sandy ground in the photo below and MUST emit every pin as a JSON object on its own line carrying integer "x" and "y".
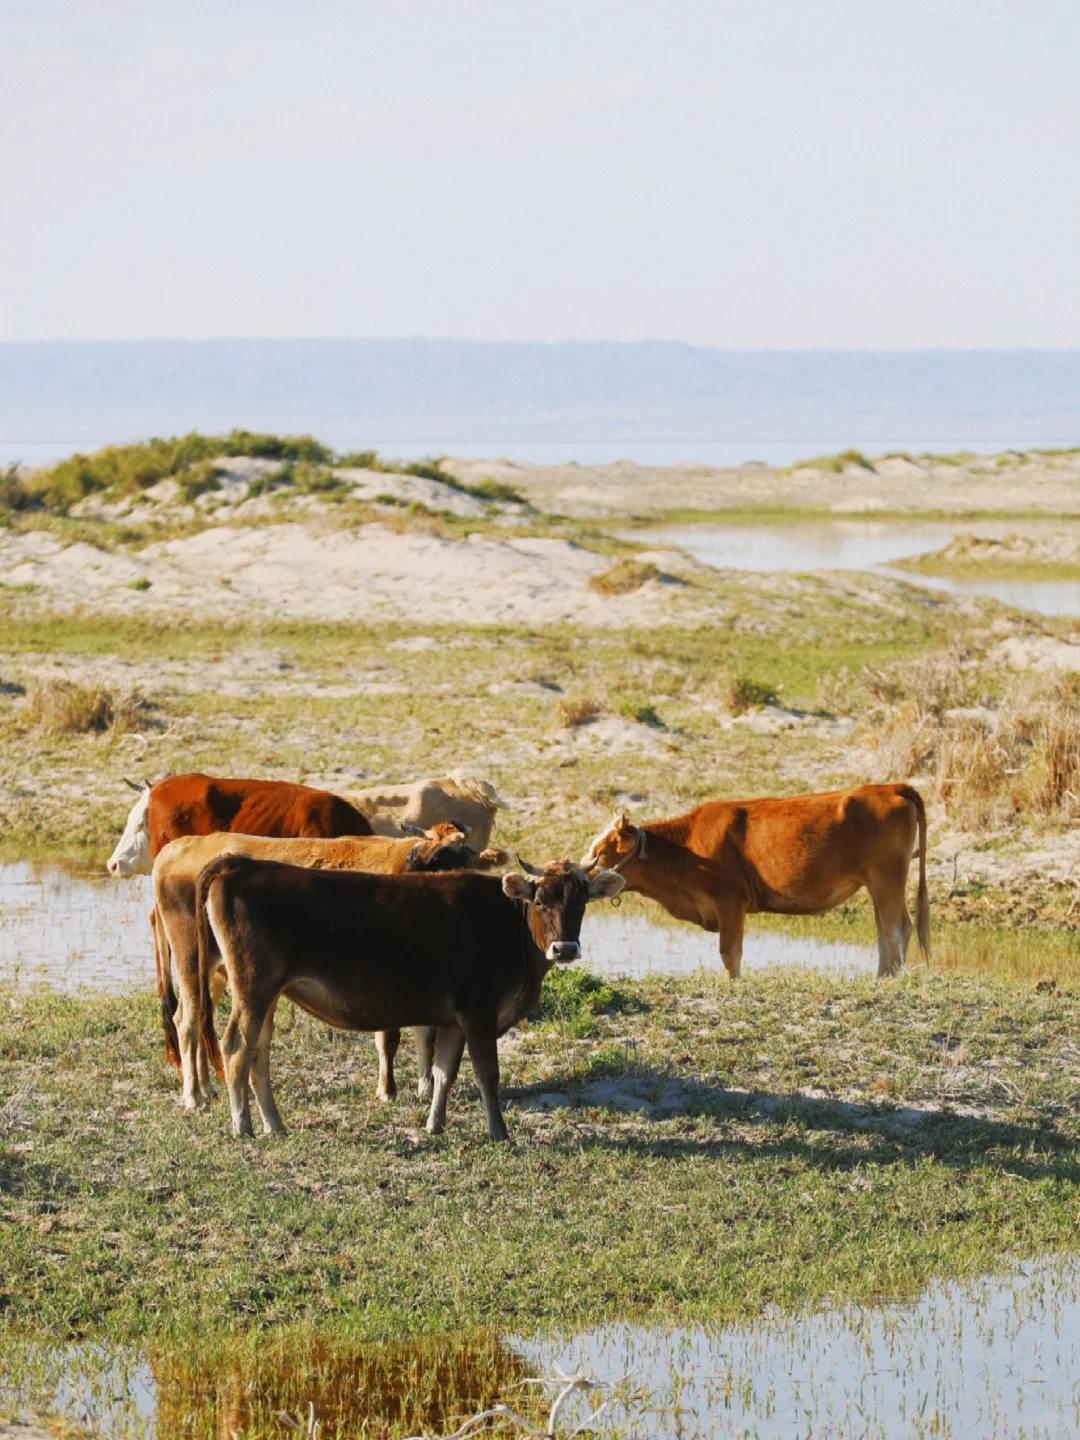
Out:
{"x": 308, "y": 571}
{"x": 1034, "y": 484}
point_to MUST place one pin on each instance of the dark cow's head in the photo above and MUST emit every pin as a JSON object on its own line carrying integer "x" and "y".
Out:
{"x": 555, "y": 897}
{"x": 442, "y": 847}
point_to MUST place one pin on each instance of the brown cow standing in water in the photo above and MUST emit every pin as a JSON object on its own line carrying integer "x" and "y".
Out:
{"x": 800, "y": 856}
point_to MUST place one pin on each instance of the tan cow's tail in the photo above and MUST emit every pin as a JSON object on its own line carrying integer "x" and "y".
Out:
{"x": 203, "y": 885}
{"x": 922, "y": 905}
{"x": 162, "y": 955}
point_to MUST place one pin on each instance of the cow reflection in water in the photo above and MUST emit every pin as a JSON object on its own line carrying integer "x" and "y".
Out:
{"x": 461, "y": 952}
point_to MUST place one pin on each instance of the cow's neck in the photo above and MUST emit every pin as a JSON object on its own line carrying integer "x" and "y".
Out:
{"x": 660, "y": 851}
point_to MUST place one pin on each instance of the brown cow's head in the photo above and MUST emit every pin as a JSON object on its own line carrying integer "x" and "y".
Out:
{"x": 614, "y": 846}
{"x": 555, "y": 897}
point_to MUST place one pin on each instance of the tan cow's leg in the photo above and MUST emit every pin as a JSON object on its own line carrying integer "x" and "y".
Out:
{"x": 484, "y": 1054}
{"x": 449, "y": 1048}
{"x": 260, "y": 1077}
{"x": 732, "y": 922}
{"x": 386, "y": 1043}
{"x": 424, "y": 1040}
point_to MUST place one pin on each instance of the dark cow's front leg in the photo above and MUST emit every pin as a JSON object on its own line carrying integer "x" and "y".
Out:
{"x": 484, "y": 1054}
{"x": 386, "y": 1042}
{"x": 449, "y": 1047}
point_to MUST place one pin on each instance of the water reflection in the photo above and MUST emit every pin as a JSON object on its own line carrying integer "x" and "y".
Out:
{"x": 635, "y": 945}
{"x": 994, "y": 1357}
{"x": 866, "y": 545}
{"x": 984, "y": 1359}
{"x": 74, "y": 926}
{"x": 71, "y": 928}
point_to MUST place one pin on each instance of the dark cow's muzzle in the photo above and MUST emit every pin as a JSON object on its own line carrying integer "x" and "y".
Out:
{"x": 564, "y": 951}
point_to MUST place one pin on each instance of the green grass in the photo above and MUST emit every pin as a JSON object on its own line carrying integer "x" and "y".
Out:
{"x": 1018, "y": 569}
{"x": 123, "y": 1220}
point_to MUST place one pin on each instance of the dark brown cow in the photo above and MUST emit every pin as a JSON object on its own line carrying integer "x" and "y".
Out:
{"x": 179, "y": 866}
{"x": 463, "y": 952}
{"x": 800, "y": 856}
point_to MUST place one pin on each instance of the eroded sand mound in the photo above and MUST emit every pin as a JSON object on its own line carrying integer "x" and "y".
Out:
{"x": 309, "y": 572}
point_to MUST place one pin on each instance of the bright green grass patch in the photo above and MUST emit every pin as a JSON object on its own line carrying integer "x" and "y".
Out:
{"x": 1019, "y": 569}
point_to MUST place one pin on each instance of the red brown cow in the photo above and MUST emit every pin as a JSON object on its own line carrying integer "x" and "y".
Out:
{"x": 201, "y": 805}
{"x": 801, "y": 856}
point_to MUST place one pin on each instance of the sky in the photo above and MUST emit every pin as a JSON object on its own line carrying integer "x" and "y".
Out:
{"x": 761, "y": 174}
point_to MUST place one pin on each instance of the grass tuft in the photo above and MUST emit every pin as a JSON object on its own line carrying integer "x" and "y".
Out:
{"x": 624, "y": 577}
{"x": 64, "y": 707}
{"x": 573, "y": 711}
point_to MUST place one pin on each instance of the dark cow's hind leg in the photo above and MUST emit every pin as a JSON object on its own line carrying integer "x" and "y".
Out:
{"x": 386, "y": 1042}
{"x": 424, "y": 1040}
{"x": 449, "y": 1048}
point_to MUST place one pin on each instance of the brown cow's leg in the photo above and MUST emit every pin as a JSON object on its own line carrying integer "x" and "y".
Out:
{"x": 731, "y": 925}
{"x": 260, "y": 1077}
{"x": 386, "y": 1043}
{"x": 894, "y": 925}
{"x": 424, "y": 1040}
{"x": 484, "y": 1054}
{"x": 449, "y": 1048}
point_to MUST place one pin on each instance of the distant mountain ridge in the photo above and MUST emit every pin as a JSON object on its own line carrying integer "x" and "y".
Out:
{"x": 344, "y": 390}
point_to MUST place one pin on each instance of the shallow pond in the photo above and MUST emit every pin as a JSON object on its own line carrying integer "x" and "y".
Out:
{"x": 864, "y": 545}
{"x": 997, "y": 1357}
{"x": 73, "y": 928}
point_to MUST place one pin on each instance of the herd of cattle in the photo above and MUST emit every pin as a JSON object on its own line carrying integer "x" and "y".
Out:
{"x": 376, "y": 910}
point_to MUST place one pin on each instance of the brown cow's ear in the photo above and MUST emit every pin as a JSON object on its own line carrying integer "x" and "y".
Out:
{"x": 604, "y": 884}
{"x": 518, "y": 887}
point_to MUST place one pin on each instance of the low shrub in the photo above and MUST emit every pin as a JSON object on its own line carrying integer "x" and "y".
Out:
{"x": 835, "y": 464}
{"x": 741, "y": 693}
{"x": 641, "y": 711}
{"x": 623, "y": 577}
{"x": 577, "y": 710}
{"x": 65, "y": 707}
{"x": 14, "y": 493}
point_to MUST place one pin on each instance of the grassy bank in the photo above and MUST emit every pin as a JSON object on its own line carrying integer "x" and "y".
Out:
{"x": 696, "y": 1151}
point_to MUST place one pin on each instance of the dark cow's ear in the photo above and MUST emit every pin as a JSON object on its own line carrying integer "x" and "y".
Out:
{"x": 414, "y": 857}
{"x": 518, "y": 887}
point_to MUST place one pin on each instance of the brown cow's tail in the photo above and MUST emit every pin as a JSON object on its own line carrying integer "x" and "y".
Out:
{"x": 165, "y": 989}
{"x": 214, "y": 871}
{"x": 922, "y": 905}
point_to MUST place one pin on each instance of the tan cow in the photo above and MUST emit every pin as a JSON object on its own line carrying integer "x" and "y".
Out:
{"x": 178, "y": 867}
{"x": 456, "y": 798}
{"x": 800, "y": 856}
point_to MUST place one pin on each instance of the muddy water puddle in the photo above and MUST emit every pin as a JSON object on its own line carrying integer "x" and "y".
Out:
{"x": 75, "y": 927}
{"x": 996, "y": 1357}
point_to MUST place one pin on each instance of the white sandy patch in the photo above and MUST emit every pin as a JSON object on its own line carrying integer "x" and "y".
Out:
{"x": 305, "y": 571}
{"x": 1039, "y": 652}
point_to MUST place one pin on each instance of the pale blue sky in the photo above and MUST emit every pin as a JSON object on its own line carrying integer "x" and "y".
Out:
{"x": 758, "y": 174}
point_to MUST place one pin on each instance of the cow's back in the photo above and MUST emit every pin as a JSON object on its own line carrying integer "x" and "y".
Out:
{"x": 202, "y": 805}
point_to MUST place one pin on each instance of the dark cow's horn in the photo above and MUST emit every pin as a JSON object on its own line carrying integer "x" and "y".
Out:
{"x": 133, "y": 785}
{"x": 530, "y": 869}
{"x": 408, "y": 828}
{"x": 466, "y": 830}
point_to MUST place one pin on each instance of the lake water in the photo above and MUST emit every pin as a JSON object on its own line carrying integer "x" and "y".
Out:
{"x": 863, "y": 545}
{"x": 657, "y": 451}
{"x": 75, "y": 927}
{"x": 994, "y": 1357}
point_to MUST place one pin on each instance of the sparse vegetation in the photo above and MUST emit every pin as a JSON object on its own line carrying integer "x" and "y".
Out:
{"x": 741, "y": 693}
{"x": 573, "y": 711}
{"x": 624, "y": 577}
{"x": 65, "y": 707}
{"x": 836, "y": 464}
